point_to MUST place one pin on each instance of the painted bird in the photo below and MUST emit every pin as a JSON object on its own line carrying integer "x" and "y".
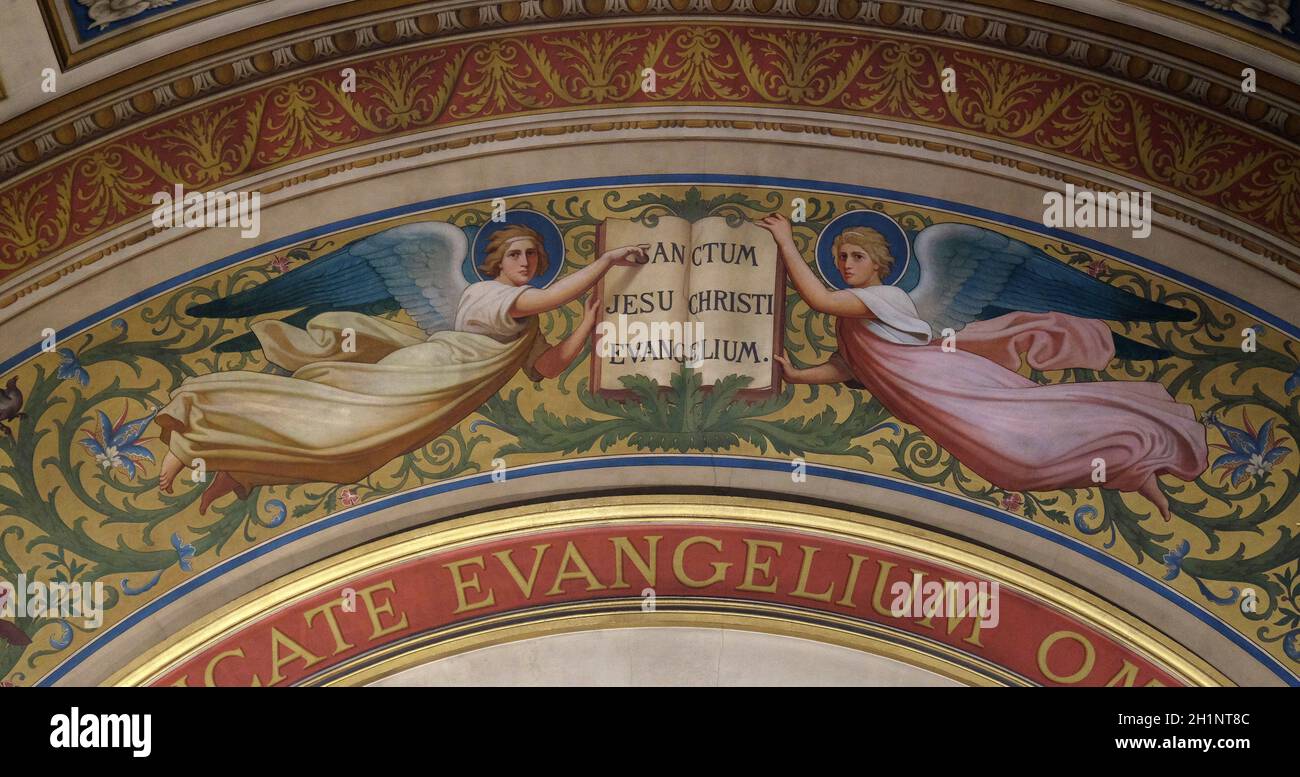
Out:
{"x": 11, "y": 405}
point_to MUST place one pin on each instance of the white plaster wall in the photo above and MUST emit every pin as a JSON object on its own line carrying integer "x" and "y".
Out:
{"x": 677, "y": 656}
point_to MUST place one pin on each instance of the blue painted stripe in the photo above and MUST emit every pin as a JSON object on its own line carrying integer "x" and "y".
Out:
{"x": 683, "y": 179}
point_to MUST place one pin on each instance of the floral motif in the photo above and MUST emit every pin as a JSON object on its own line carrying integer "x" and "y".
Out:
{"x": 904, "y": 81}
{"x": 1251, "y": 453}
{"x": 1174, "y": 559}
{"x": 799, "y": 66}
{"x": 1007, "y": 98}
{"x": 117, "y": 445}
{"x": 602, "y": 65}
{"x": 698, "y": 66}
{"x": 70, "y": 367}
{"x": 184, "y": 553}
{"x": 399, "y": 93}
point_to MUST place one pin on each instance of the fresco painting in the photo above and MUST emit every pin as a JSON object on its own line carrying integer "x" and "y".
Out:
{"x": 135, "y": 455}
{"x": 810, "y": 290}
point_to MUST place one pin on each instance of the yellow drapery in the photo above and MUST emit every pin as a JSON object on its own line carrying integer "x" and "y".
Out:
{"x": 341, "y": 415}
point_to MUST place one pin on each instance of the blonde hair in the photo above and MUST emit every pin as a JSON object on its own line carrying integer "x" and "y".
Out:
{"x": 496, "y": 249}
{"x": 868, "y": 240}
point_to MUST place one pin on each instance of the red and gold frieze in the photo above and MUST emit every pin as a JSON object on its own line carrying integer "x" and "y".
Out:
{"x": 872, "y": 74}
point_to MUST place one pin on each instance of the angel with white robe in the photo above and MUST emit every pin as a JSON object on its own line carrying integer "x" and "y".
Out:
{"x": 364, "y": 389}
{"x": 1002, "y": 301}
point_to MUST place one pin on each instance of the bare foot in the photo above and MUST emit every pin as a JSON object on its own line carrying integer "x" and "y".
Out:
{"x": 1151, "y": 490}
{"x": 171, "y": 467}
{"x": 221, "y": 485}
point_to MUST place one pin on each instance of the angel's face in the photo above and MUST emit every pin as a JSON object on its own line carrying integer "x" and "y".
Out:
{"x": 519, "y": 263}
{"x": 857, "y": 266}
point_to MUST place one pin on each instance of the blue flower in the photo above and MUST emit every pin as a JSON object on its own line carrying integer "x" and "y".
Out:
{"x": 1174, "y": 559}
{"x": 116, "y": 446}
{"x": 184, "y": 552}
{"x": 1292, "y": 382}
{"x": 70, "y": 367}
{"x": 1250, "y": 453}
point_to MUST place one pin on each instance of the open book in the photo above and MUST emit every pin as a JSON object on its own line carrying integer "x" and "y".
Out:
{"x": 711, "y": 297}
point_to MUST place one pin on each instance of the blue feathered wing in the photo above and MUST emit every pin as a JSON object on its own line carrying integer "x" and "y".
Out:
{"x": 415, "y": 267}
{"x": 964, "y": 273}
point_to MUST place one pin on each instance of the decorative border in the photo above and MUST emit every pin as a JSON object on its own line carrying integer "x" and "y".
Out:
{"x": 463, "y": 534}
{"x": 1014, "y": 25}
{"x": 1131, "y": 573}
{"x": 1078, "y": 117}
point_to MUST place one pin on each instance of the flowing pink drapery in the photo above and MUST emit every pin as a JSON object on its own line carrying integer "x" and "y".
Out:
{"x": 1019, "y": 435}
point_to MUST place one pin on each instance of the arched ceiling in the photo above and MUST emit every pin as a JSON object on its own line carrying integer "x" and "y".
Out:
{"x": 837, "y": 101}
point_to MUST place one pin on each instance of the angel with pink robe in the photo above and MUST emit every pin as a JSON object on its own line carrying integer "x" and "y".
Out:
{"x": 1000, "y": 300}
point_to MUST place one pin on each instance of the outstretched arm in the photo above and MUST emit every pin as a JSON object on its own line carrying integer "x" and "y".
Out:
{"x": 570, "y": 287}
{"x": 819, "y": 298}
{"x": 833, "y": 371}
{"x": 557, "y": 358}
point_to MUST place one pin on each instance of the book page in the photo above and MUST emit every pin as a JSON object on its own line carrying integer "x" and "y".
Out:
{"x": 642, "y": 307}
{"x": 732, "y": 300}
